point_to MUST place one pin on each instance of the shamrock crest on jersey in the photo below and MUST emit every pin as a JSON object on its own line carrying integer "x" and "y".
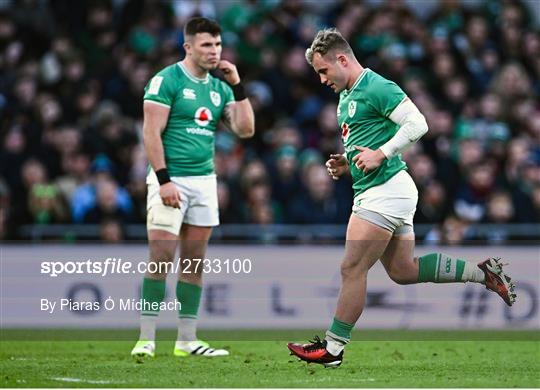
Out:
{"x": 352, "y": 108}
{"x": 215, "y": 97}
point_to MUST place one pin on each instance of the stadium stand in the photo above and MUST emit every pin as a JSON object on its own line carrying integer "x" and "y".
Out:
{"x": 72, "y": 164}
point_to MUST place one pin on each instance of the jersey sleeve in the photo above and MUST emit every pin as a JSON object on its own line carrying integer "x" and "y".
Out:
{"x": 385, "y": 96}
{"x": 160, "y": 89}
{"x": 228, "y": 93}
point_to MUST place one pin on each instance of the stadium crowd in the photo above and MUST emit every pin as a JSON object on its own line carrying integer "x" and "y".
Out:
{"x": 71, "y": 86}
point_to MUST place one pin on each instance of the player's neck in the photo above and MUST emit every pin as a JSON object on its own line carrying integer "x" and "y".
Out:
{"x": 193, "y": 69}
{"x": 355, "y": 74}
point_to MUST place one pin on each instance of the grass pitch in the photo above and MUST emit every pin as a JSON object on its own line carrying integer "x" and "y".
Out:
{"x": 380, "y": 359}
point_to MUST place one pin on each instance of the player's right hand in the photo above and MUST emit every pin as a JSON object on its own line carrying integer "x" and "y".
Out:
{"x": 337, "y": 165}
{"x": 170, "y": 195}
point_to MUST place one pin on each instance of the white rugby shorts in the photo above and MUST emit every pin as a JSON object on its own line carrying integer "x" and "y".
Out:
{"x": 198, "y": 203}
{"x": 390, "y": 205}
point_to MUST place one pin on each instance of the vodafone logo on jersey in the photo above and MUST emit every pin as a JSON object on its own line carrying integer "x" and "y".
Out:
{"x": 203, "y": 116}
{"x": 345, "y": 132}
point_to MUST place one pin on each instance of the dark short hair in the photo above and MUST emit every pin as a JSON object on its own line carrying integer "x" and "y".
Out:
{"x": 201, "y": 25}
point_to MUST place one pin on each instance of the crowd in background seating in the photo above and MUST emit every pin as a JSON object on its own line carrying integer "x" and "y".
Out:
{"x": 71, "y": 86}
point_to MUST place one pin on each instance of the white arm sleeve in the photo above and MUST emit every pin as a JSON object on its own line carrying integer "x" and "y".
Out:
{"x": 412, "y": 127}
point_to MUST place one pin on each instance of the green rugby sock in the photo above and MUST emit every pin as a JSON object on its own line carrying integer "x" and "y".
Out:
{"x": 189, "y": 296}
{"x": 152, "y": 291}
{"x": 340, "y": 330}
{"x": 440, "y": 268}
{"x": 338, "y": 336}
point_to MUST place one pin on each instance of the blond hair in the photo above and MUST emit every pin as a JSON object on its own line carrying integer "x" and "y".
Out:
{"x": 327, "y": 40}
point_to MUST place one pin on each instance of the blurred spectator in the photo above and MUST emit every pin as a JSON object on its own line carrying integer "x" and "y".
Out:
{"x": 115, "y": 200}
{"x": 500, "y": 208}
{"x": 259, "y": 206}
{"x": 486, "y": 127}
{"x": 518, "y": 154}
{"x": 229, "y": 209}
{"x": 4, "y": 210}
{"x": 471, "y": 199}
{"x": 453, "y": 231}
{"x": 285, "y": 178}
{"x": 422, "y": 169}
{"x": 107, "y": 205}
{"x": 185, "y": 9}
{"x": 39, "y": 200}
{"x": 323, "y": 137}
{"x": 499, "y": 211}
{"x": 434, "y": 205}
{"x": 137, "y": 183}
{"x": 470, "y": 152}
{"x": 536, "y": 202}
{"x": 76, "y": 166}
{"x": 14, "y": 153}
{"x": 111, "y": 231}
{"x": 317, "y": 205}
{"x": 109, "y": 138}
{"x": 308, "y": 159}
{"x": 32, "y": 173}
{"x": 510, "y": 84}
{"x": 253, "y": 172}
{"x": 46, "y": 204}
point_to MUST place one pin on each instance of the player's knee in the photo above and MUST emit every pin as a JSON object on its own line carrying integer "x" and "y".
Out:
{"x": 158, "y": 235}
{"x": 161, "y": 260}
{"x": 162, "y": 253}
{"x": 351, "y": 269}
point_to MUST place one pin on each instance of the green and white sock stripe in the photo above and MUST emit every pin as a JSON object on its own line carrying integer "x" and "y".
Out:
{"x": 440, "y": 268}
{"x": 149, "y": 313}
{"x": 189, "y": 296}
{"x": 450, "y": 270}
{"x": 153, "y": 291}
{"x": 340, "y": 331}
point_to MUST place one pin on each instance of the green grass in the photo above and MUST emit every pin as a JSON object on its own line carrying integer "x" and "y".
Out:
{"x": 508, "y": 359}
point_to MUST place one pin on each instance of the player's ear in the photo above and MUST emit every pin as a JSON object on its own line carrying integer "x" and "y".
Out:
{"x": 342, "y": 59}
{"x": 187, "y": 46}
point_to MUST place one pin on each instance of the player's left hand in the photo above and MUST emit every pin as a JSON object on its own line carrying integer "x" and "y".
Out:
{"x": 368, "y": 160}
{"x": 229, "y": 71}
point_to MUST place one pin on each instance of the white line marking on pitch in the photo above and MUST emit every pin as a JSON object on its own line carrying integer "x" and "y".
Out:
{"x": 80, "y": 380}
{"x": 327, "y": 379}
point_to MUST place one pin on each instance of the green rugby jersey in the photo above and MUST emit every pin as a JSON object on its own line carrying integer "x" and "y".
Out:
{"x": 196, "y": 106}
{"x": 363, "y": 116}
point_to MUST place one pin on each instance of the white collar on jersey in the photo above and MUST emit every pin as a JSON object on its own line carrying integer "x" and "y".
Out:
{"x": 360, "y": 77}
{"x": 191, "y": 77}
